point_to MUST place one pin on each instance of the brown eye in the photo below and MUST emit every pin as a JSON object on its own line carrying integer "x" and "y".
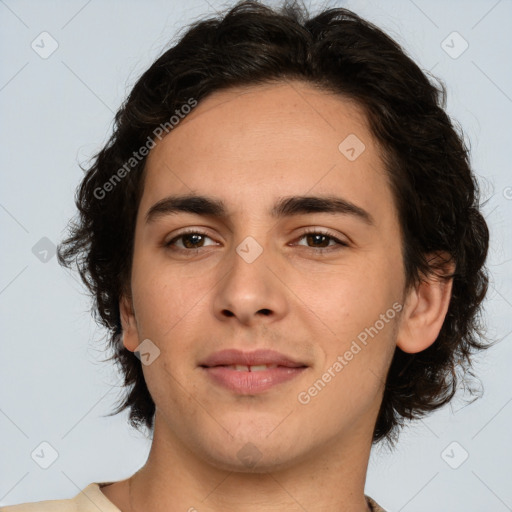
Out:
{"x": 320, "y": 240}
{"x": 189, "y": 241}
{"x": 192, "y": 241}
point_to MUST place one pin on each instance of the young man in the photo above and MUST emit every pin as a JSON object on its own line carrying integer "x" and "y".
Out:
{"x": 283, "y": 237}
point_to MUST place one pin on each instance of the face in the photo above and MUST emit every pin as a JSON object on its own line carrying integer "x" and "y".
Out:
{"x": 310, "y": 287}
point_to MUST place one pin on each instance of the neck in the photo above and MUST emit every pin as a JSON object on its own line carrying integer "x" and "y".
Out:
{"x": 174, "y": 479}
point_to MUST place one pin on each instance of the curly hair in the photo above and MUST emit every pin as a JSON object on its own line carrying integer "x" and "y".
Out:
{"x": 435, "y": 191}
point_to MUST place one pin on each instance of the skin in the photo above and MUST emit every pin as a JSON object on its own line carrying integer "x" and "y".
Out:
{"x": 250, "y": 147}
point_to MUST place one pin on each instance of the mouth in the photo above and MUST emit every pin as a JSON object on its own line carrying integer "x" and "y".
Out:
{"x": 251, "y": 368}
{"x": 249, "y": 373}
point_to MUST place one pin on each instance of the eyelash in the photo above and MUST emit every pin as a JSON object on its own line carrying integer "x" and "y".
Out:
{"x": 321, "y": 250}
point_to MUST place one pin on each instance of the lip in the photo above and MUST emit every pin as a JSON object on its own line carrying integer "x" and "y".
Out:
{"x": 256, "y": 357}
{"x": 251, "y": 382}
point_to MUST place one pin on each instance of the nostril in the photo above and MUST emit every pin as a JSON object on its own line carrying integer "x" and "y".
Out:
{"x": 265, "y": 312}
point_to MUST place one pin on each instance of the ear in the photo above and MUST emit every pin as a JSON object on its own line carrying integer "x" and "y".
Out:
{"x": 128, "y": 324}
{"x": 425, "y": 309}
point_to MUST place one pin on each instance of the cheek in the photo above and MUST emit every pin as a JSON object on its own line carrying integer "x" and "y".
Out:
{"x": 345, "y": 299}
{"x": 165, "y": 292}
{"x": 162, "y": 299}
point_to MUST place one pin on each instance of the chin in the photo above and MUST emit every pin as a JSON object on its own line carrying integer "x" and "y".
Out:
{"x": 252, "y": 453}
{"x": 250, "y": 459}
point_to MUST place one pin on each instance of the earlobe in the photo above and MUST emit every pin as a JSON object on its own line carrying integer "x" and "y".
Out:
{"x": 425, "y": 311}
{"x": 128, "y": 324}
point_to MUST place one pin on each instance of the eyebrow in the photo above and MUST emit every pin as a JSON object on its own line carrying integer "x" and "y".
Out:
{"x": 284, "y": 207}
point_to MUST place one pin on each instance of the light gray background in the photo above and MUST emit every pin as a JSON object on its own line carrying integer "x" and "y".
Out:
{"x": 58, "y": 111}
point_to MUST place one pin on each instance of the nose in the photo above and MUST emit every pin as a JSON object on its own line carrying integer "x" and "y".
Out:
{"x": 250, "y": 291}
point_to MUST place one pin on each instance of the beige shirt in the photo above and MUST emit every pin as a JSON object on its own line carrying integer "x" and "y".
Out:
{"x": 91, "y": 499}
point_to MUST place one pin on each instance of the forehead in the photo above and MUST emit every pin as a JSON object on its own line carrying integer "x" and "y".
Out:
{"x": 269, "y": 141}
